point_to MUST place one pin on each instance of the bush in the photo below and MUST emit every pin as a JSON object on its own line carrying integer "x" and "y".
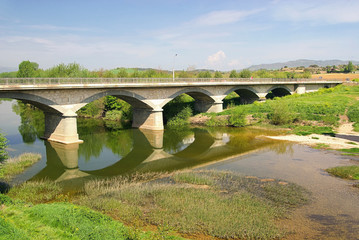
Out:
{"x": 353, "y": 112}
{"x": 238, "y": 118}
{"x": 280, "y": 113}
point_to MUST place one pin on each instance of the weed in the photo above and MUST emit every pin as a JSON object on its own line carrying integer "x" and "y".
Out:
{"x": 13, "y": 166}
{"x": 347, "y": 172}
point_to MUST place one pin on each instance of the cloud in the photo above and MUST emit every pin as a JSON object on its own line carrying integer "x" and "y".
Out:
{"x": 223, "y": 17}
{"x": 48, "y": 27}
{"x": 216, "y": 59}
{"x": 332, "y": 11}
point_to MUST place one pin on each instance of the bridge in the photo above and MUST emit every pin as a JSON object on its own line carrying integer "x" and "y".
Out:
{"x": 61, "y": 98}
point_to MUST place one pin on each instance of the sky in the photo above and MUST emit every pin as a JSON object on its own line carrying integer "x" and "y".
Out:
{"x": 180, "y": 34}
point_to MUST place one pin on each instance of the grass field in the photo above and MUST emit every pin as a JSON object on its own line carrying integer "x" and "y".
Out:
{"x": 340, "y": 76}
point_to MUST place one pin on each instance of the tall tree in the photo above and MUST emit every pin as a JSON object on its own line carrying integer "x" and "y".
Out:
{"x": 27, "y": 69}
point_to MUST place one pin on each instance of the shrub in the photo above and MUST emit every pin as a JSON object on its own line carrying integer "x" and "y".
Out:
{"x": 238, "y": 118}
{"x": 280, "y": 113}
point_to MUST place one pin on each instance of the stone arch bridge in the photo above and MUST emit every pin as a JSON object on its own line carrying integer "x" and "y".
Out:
{"x": 61, "y": 98}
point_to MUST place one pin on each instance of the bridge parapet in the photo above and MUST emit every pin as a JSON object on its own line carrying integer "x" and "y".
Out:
{"x": 83, "y": 82}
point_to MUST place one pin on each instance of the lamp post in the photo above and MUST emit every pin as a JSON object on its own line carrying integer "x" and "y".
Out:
{"x": 173, "y": 69}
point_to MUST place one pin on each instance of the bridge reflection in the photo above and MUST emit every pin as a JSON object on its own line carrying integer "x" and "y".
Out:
{"x": 153, "y": 151}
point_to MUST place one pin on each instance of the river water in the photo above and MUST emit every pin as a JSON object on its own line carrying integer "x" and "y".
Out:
{"x": 109, "y": 150}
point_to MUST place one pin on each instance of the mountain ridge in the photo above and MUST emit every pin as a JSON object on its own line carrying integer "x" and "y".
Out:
{"x": 300, "y": 62}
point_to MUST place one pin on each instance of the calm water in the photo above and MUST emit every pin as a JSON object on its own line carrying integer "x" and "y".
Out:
{"x": 109, "y": 150}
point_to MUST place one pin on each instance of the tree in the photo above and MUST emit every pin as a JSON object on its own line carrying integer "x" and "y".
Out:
{"x": 349, "y": 68}
{"x": 233, "y": 74}
{"x": 245, "y": 73}
{"x": 218, "y": 74}
{"x": 27, "y": 69}
{"x": 205, "y": 74}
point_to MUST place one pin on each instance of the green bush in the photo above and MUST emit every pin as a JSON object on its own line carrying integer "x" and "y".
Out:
{"x": 280, "y": 113}
{"x": 353, "y": 112}
{"x": 238, "y": 118}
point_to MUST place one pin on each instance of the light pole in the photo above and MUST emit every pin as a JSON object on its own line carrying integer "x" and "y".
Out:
{"x": 173, "y": 69}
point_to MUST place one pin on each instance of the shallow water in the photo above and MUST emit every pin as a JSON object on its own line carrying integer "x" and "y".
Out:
{"x": 333, "y": 212}
{"x": 109, "y": 150}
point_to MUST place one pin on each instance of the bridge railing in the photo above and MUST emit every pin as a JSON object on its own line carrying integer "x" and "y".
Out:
{"x": 62, "y": 81}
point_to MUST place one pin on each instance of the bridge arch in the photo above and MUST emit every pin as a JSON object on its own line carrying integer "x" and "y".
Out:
{"x": 135, "y": 100}
{"x": 204, "y": 101}
{"x": 278, "y": 91}
{"x": 247, "y": 94}
{"x": 41, "y": 103}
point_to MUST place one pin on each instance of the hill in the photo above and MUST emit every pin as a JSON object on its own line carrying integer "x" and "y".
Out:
{"x": 299, "y": 63}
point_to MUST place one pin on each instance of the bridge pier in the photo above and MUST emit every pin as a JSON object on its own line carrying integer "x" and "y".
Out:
{"x": 145, "y": 118}
{"x": 61, "y": 128}
{"x": 300, "y": 89}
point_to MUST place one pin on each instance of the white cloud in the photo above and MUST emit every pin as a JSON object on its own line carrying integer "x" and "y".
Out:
{"x": 48, "y": 27}
{"x": 330, "y": 11}
{"x": 216, "y": 59}
{"x": 223, "y": 17}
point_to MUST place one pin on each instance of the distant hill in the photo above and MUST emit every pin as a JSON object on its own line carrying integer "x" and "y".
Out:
{"x": 299, "y": 63}
{"x": 7, "y": 69}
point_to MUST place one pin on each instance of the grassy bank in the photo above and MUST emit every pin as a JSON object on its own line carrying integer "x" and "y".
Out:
{"x": 13, "y": 166}
{"x": 218, "y": 204}
{"x": 63, "y": 221}
{"x": 317, "y": 112}
{"x": 190, "y": 203}
{"x": 346, "y": 172}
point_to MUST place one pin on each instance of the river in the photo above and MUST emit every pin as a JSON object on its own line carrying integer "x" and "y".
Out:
{"x": 109, "y": 150}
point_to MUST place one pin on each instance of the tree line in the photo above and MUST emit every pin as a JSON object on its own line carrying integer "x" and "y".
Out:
{"x": 28, "y": 69}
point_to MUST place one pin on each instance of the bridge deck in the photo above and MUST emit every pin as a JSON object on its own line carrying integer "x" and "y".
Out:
{"x": 47, "y": 83}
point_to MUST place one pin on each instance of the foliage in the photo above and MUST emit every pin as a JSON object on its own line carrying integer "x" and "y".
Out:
{"x": 204, "y": 74}
{"x": 219, "y": 204}
{"x": 238, "y": 118}
{"x": 37, "y": 192}
{"x": 280, "y": 113}
{"x": 347, "y": 172}
{"x": 14, "y": 166}
{"x": 27, "y": 69}
{"x": 181, "y": 119}
{"x": 218, "y": 74}
{"x": 3, "y": 146}
{"x": 66, "y": 221}
{"x": 32, "y": 121}
{"x": 245, "y": 73}
{"x": 217, "y": 121}
{"x": 353, "y": 112}
{"x": 233, "y": 74}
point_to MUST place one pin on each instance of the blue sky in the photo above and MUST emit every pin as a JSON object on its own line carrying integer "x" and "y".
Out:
{"x": 221, "y": 35}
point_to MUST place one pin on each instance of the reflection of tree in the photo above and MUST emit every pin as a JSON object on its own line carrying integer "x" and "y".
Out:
{"x": 32, "y": 121}
{"x": 120, "y": 142}
{"x": 97, "y": 133}
{"x": 282, "y": 148}
{"x": 173, "y": 139}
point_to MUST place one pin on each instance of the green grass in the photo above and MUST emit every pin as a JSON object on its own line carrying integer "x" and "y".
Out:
{"x": 13, "y": 166}
{"x": 321, "y": 146}
{"x": 219, "y": 204}
{"x": 65, "y": 221}
{"x": 317, "y": 112}
{"x": 347, "y": 172}
{"x": 350, "y": 150}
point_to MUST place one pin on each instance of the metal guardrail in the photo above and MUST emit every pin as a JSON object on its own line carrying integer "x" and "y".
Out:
{"x": 61, "y": 81}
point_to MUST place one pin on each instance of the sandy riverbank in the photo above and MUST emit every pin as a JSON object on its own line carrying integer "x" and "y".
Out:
{"x": 345, "y": 138}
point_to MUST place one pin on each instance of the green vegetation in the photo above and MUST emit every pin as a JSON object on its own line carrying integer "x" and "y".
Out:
{"x": 219, "y": 204}
{"x": 64, "y": 221}
{"x": 3, "y": 145}
{"x": 13, "y": 166}
{"x": 347, "y": 172}
{"x": 317, "y": 112}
